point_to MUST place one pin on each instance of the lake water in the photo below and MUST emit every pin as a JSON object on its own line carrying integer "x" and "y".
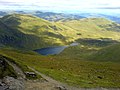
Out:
{"x": 53, "y": 50}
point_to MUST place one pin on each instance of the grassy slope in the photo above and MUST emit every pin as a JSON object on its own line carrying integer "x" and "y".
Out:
{"x": 6, "y": 69}
{"x": 86, "y": 48}
{"x": 69, "y": 66}
{"x": 110, "y": 53}
{"x": 17, "y": 39}
{"x": 94, "y": 28}
{"x": 45, "y": 30}
{"x": 71, "y": 71}
{"x": 32, "y": 32}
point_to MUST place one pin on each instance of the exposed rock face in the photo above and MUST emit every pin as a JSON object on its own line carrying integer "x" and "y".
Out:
{"x": 3, "y": 86}
{"x": 8, "y": 75}
{"x": 11, "y": 83}
{"x": 3, "y": 63}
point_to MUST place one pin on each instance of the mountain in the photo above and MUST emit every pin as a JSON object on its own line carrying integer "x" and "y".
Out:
{"x": 14, "y": 38}
{"x": 56, "y": 16}
{"x": 97, "y": 40}
{"x": 94, "y": 28}
{"x": 113, "y": 17}
{"x": 50, "y": 16}
{"x": 31, "y": 32}
{"x": 26, "y": 31}
{"x": 2, "y": 13}
{"x": 16, "y": 35}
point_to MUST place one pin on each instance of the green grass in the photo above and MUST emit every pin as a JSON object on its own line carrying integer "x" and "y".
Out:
{"x": 30, "y": 32}
{"x": 71, "y": 66}
{"x": 20, "y": 64}
{"x": 33, "y": 32}
{"x": 110, "y": 53}
{"x": 72, "y": 71}
{"x": 6, "y": 69}
{"x": 86, "y": 49}
{"x": 94, "y": 28}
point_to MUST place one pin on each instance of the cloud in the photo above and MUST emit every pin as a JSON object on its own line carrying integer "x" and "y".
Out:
{"x": 60, "y": 4}
{"x": 108, "y": 8}
{"x": 4, "y": 3}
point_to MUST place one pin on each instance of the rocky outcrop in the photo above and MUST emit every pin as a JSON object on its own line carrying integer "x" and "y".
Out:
{"x": 10, "y": 83}
{"x": 13, "y": 84}
{"x": 3, "y": 64}
{"x": 8, "y": 74}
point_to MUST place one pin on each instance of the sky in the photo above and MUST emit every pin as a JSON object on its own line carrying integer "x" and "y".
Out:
{"x": 62, "y": 5}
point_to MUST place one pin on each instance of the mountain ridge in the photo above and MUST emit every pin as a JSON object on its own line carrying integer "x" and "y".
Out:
{"x": 22, "y": 30}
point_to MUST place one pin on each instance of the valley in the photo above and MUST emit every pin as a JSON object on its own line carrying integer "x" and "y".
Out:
{"x": 81, "y": 53}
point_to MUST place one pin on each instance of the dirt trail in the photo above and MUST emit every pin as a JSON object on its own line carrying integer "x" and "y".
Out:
{"x": 57, "y": 84}
{"x": 47, "y": 84}
{"x": 60, "y": 86}
{"x": 49, "y": 79}
{"x": 17, "y": 70}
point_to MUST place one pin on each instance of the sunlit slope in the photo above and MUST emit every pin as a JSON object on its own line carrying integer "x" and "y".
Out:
{"x": 34, "y": 25}
{"x": 94, "y": 28}
{"x": 33, "y": 31}
{"x": 26, "y": 31}
{"x": 111, "y": 53}
{"x": 14, "y": 38}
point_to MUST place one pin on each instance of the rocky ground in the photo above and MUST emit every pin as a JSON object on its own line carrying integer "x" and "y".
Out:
{"x": 10, "y": 83}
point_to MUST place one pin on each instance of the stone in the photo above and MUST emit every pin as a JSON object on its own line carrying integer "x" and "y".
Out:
{"x": 60, "y": 88}
{"x": 30, "y": 74}
{"x": 13, "y": 84}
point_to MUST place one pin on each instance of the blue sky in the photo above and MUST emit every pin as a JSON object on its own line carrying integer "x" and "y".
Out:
{"x": 62, "y": 5}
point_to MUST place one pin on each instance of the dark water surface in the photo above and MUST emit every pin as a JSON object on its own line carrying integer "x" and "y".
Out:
{"x": 53, "y": 50}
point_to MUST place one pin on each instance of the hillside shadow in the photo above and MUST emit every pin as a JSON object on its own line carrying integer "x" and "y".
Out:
{"x": 12, "y": 37}
{"x": 97, "y": 42}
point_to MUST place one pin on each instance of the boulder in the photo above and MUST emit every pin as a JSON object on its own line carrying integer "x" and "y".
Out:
{"x": 13, "y": 84}
{"x": 30, "y": 74}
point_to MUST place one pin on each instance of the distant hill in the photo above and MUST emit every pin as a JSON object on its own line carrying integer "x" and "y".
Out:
{"x": 94, "y": 28}
{"x": 113, "y": 17}
{"x": 50, "y": 16}
{"x": 56, "y": 16}
{"x": 2, "y": 13}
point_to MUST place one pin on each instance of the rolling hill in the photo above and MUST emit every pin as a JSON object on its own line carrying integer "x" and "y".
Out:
{"x": 30, "y": 32}
{"x": 97, "y": 38}
{"x": 110, "y": 53}
{"x": 50, "y": 16}
{"x": 94, "y": 28}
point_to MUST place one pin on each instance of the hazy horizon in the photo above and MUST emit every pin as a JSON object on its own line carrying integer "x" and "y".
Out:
{"x": 68, "y": 6}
